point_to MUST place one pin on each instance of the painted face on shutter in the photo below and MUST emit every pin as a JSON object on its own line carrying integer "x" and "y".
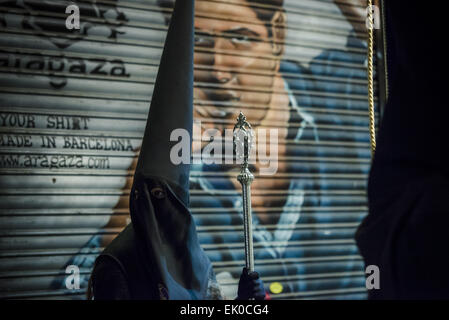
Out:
{"x": 237, "y": 57}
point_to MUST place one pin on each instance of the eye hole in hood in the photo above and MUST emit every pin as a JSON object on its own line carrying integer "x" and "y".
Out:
{"x": 158, "y": 192}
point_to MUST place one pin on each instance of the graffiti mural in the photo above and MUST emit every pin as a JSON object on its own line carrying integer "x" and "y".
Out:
{"x": 107, "y": 21}
{"x": 108, "y": 18}
{"x": 62, "y": 66}
{"x": 73, "y": 111}
{"x": 246, "y": 66}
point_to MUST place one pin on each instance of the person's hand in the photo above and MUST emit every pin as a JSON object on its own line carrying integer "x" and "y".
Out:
{"x": 250, "y": 286}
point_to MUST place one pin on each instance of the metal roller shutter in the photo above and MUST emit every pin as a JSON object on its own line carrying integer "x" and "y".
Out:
{"x": 73, "y": 111}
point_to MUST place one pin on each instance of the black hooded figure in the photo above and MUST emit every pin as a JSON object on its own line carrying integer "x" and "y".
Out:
{"x": 158, "y": 256}
{"x": 406, "y": 231}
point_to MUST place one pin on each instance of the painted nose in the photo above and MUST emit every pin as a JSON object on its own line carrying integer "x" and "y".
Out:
{"x": 220, "y": 63}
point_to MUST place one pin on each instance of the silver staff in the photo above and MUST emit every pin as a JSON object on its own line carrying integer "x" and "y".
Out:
{"x": 243, "y": 140}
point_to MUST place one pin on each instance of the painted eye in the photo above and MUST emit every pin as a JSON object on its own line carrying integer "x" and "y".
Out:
{"x": 203, "y": 41}
{"x": 158, "y": 193}
{"x": 241, "y": 40}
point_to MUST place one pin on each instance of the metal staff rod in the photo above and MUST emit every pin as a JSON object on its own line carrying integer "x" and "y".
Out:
{"x": 243, "y": 139}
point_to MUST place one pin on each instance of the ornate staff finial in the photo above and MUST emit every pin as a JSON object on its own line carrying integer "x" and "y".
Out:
{"x": 243, "y": 139}
{"x": 241, "y": 122}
